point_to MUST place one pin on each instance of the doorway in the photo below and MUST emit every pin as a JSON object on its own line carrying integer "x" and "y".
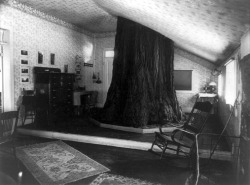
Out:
{"x": 6, "y": 71}
{"x": 108, "y": 58}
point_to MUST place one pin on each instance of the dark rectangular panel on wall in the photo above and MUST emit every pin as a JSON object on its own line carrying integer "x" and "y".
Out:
{"x": 183, "y": 80}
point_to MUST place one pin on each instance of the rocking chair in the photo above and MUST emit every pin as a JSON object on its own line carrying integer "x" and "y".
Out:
{"x": 181, "y": 141}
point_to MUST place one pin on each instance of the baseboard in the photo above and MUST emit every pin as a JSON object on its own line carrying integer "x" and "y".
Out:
{"x": 131, "y": 129}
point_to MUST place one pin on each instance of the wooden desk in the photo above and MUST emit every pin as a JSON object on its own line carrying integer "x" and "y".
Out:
{"x": 77, "y": 97}
{"x": 212, "y": 98}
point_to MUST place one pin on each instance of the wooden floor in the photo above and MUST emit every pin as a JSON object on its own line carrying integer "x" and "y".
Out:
{"x": 129, "y": 163}
{"x": 122, "y": 161}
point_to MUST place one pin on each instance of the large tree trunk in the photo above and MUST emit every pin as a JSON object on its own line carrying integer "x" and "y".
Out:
{"x": 141, "y": 91}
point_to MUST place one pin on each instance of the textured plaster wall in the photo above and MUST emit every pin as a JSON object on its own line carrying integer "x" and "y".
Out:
{"x": 182, "y": 60}
{"x": 201, "y": 76}
{"x": 34, "y": 34}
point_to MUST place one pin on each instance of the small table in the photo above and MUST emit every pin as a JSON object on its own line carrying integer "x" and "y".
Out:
{"x": 77, "y": 99}
{"x": 211, "y": 97}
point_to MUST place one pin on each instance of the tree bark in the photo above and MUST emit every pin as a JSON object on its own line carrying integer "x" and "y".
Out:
{"x": 141, "y": 90}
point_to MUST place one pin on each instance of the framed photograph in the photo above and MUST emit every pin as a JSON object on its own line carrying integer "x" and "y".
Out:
{"x": 52, "y": 58}
{"x": 24, "y": 52}
{"x": 25, "y": 79}
{"x": 25, "y": 70}
{"x": 88, "y": 64}
{"x": 40, "y": 58}
{"x": 24, "y": 61}
{"x": 65, "y": 68}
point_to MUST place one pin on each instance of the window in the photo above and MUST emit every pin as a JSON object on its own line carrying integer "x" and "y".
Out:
{"x": 230, "y": 93}
{"x": 220, "y": 85}
{"x": 109, "y": 53}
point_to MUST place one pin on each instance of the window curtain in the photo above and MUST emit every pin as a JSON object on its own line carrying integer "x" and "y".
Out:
{"x": 230, "y": 93}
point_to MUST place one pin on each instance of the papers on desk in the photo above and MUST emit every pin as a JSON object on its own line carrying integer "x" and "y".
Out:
{"x": 207, "y": 95}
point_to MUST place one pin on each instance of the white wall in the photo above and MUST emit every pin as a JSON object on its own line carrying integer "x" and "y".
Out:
{"x": 245, "y": 44}
{"x": 31, "y": 33}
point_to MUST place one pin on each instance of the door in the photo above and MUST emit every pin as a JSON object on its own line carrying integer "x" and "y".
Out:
{"x": 107, "y": 71}
{"x": 1, "y": 78}
{"x": 6, "y": 72}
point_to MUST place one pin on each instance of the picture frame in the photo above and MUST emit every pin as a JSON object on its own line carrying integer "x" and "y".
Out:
{"x": 24, "y": 57}
{"x": 52, "y": 58}
{"x": 40, "y": 57}
{"x": 24, "y": 61}
{"x": 66, "y": 68}
{"x": 24, "y": 52}
{"x": 25, "y": 79}
{"x": 88, "y": 64}
{"x": 25, "y": 71}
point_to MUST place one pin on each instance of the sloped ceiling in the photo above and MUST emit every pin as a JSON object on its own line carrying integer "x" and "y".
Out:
{"x": 211, "y": 29}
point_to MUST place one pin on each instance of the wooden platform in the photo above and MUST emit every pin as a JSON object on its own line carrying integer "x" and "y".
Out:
{"x": 83, "y": 130}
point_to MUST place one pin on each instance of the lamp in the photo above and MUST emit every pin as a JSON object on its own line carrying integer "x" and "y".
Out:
{"x": 94, "y": 77}
{"x": 212, "y": 84}
{"x": 98, "y": 81}
{"x": 211, "y": 87}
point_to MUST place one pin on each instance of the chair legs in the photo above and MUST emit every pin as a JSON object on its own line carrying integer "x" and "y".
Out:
{"x": 152, "y": 145}
{"x": 161, "y": 147}
{"x": 167, "y": 144}
{"x": 30, "y": 114}
{"x": 163, "y": 151}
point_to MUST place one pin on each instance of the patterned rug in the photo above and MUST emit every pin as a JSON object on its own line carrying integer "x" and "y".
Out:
{"x": 109, "y": 179}
{"x": 57, "y": 163}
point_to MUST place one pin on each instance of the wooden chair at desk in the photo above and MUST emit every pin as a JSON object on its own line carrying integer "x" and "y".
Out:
{"x": 28, "y": 102}
{"x": 88, "y": 101}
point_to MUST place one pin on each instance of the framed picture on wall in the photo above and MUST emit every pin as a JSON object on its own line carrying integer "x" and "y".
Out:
{"x": 25, "y": 79}
{"x": 24, "y": 52}
{"x": 40, "y": 58}
{"x": 25, "y": 70}
{"x": 24, "y": 61}
{"x": 66, "y": 68}
{"x": 52, "y": 58}
{"x": 24, "y": 57}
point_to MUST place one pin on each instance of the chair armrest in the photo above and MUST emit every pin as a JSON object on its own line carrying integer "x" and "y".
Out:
{"x": 177, "y": 125}
{"x": 190, "y": 128}
{"x": 181, "y": 130}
